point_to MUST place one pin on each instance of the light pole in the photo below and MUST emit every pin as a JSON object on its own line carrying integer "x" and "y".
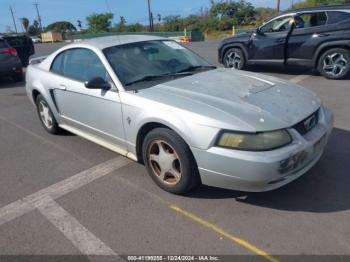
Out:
{"x": 13, "y": 18}
{"x": 278, "y": 5}
{"x": 39, "y": 18}
{"x": 150, "y": 16}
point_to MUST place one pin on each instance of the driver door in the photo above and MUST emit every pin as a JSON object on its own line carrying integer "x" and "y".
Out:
{"x": 268, "y": 44}
{"x": 94, "y": 113}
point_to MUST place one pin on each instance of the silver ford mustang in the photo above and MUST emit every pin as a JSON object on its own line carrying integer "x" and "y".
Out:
{"x": 156, "y": 102}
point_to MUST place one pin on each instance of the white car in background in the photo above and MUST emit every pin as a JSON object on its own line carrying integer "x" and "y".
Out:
{"x": 35, "y": 39}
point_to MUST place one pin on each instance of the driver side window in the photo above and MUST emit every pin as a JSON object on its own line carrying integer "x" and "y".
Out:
{"x": 80, "y": 64}
{"x": 280, "y": 24}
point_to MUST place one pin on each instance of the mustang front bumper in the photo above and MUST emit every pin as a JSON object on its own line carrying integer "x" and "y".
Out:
{"x": 268, "y": 170}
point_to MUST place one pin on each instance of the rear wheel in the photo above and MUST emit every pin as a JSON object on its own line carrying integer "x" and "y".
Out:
{"x": 334, "y": 63}
{"x": 169, "y": 161}
{"x": 234, "y": 58}
{"x": 46, "y": 116}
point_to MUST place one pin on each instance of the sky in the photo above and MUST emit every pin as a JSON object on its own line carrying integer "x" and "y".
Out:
{"x": 73, "y": 10}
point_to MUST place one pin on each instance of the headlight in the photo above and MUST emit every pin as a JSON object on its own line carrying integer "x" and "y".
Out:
{"x": 254, "y": 141}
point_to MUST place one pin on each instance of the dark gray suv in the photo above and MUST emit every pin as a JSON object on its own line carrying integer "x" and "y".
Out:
{"x": 10, "y": 64}
{"x": 316, "y": 37}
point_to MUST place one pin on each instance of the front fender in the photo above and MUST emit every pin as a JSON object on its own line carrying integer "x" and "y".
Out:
{"x": 139, "y": 113}
{"x": 227, "y": 46}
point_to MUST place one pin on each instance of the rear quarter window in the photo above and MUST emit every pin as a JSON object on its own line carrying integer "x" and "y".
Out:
{"x": 335, "y": 17}
{"x": 56, "y": 66}
{"x": 2, "y": 44}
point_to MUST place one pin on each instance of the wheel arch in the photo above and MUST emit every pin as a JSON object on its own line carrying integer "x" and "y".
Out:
{"x": 235, "y": 45}
{"x": 148, "y": 127}
{"x": 327, "y": 46}
{"x": 35, "y": 94}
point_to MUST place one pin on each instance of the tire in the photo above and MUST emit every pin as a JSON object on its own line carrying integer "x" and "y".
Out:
{"x": 334, "y": 63}
{"x": 234, "y": 58}
{"x": 50, "y": 124}
{"x": 173, "y": 168}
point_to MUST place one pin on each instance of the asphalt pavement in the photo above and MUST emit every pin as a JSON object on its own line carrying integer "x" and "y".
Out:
{"x": 64, "y": 195}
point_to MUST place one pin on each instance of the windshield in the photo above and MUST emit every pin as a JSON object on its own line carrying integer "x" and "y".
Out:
{"x": 149, "y": 61}
{"x": 277, "y": 25}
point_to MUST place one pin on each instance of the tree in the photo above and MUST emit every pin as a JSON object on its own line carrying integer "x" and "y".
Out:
{"x": 25, "y": 23}
{"x": 120, "y": 27}
{"x": 263, "y": 13}
{"x": 233, "y": 12}
{"x": 61, "y": 26}
{"x": 135, "y": 28}
{"x": 79, "y": 24}
{"x": 173, "y": 23}
{"x": 99, "y": 22}
{"x": 34, "y": 29}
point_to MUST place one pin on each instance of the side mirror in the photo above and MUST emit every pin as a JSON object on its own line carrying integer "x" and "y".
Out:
{"x": 258, "y": 31}
{"x": 97, "y": 83}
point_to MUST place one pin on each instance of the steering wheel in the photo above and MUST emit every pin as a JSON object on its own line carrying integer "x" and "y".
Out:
{"x": 174, "y": 63}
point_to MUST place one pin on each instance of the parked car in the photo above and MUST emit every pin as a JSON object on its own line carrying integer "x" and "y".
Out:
{"x": 155, "y": 101}
{"x": 24, "y": 46}
{"x": 10, "y": 65}
{"x": 316, "y": 37}
{"x": 35, "y": 39}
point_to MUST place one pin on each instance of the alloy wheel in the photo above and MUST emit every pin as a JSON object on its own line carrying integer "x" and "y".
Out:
{"x": 45, "y": 114}
{"x": 164, "y": 162}
{"x": 334, "y": 64}
{"x": 233, "y": 60}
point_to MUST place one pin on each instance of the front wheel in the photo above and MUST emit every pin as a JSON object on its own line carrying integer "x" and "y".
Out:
{"x": 169, "y": 161}
{"x": 234, "y": 58}
{"x": 334, "y": 63}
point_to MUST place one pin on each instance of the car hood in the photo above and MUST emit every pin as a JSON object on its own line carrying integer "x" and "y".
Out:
{"x": 237, "y": 100}
{"x": 238, "y": 37}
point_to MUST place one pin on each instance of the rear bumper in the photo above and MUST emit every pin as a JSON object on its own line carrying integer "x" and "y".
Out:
{"x": 11, "y": 68}
{"x": 264, "y": 171}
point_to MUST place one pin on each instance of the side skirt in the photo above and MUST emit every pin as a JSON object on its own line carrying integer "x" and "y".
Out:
{"x": 99, "y": 141}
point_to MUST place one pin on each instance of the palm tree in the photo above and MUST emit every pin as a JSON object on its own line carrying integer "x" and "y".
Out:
{"x": 25, "y": 23}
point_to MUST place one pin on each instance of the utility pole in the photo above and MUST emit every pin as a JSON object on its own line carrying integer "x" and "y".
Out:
{"x": 150, "y": 16}
{"x": 13, "y": 18}
{"x": 278, "y": 5}
{"x": 39, "y": 18}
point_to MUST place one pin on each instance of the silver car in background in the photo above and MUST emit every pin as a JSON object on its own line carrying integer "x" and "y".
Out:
{"x": 156, "y": 102}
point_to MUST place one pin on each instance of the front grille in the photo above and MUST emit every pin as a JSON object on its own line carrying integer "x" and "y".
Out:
{"x": 308, "y": 123}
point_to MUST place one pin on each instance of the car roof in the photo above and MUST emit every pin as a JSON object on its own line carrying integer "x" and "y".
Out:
{"x": 312, "y": 9}
{"x": 322, "y": 8}
{"x": 108, "y": 41}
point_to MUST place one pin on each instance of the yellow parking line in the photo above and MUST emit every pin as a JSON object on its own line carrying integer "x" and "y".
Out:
{"x": 222, "y": 232}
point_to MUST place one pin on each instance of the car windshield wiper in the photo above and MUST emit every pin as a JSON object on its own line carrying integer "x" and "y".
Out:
{"x": 194, "y": 68}
{"x": 155, "y": 77}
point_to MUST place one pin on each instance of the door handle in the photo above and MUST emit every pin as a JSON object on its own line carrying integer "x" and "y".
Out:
{"x": 321, "y": 35}
{"x": 62, "y": 87}
{"x": 280, "y": 40}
